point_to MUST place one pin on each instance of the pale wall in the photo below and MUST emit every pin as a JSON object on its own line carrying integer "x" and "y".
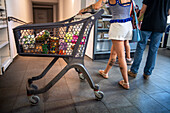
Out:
{"x": 68, "y": 8}
{"x": 21, "y": 9}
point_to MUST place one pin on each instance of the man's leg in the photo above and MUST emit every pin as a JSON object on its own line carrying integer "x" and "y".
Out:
{"x": 139, "y": 51}
{"x": 152, "y": 53}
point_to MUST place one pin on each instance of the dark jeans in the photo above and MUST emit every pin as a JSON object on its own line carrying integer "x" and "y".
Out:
{"x": 155, "y": 38}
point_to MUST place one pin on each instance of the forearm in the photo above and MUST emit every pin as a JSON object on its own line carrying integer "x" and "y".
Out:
{"x": 142, "y": 12}
{"x": 99, "y": 4}
{"x": 169, "y": 12}
{"x": 89, "y": 8}
{"x": 95, "y": 6}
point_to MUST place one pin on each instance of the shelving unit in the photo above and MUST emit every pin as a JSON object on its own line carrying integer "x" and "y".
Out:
{"x": 5, "y": 57}
{"x": 102, "y": 45}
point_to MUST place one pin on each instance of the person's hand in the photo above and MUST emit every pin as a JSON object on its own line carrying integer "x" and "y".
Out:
{"x": 81, "y": 11}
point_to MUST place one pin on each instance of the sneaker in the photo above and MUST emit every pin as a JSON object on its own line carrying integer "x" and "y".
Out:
{"x": 129, "y": 61}
{"x": 146, "y": 77}
{"x": 116, "y": 63}
{"x": 130, "y": 73}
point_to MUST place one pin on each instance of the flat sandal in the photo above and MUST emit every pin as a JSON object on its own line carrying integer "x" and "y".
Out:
{"x": 123, "y": 84}
{"x": 101, "y": 72}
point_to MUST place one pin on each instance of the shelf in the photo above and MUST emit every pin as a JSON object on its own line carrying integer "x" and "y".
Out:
{"x": 105, "y": 20}
{"x": 2, "y": 8}
{"x": 4, "y": 59}
{"x": 101, "y": 40}
{"x": 103, "y": 52}
{"x": 3, "y": 26}
{"x": 107, "y": 16}
{"x": 3, "y": 43}
{"x": 103, "y": 29}
{"x": 5, "y": 62}
{"x": 5, "y": 52}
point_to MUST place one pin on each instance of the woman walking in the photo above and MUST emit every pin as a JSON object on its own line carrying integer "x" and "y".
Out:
{"x": 120, "y": 31}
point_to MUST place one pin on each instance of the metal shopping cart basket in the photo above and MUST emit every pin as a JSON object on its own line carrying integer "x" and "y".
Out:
{"x": 65, "y": 39}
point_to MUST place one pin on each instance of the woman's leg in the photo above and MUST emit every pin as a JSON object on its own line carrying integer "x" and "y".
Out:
{"x": 111, "y": 61}
{"x": 118, "y": 46}
{"x": 127, "y": 48}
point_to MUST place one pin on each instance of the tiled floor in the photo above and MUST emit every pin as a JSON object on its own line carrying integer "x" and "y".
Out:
{"x": 71, "y": 95}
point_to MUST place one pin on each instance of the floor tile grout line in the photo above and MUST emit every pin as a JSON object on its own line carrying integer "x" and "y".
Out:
{"x": 158, "y": 102}
{"x": 69, "y": 88}
{"x": 131, "y": 102}
{"x": 153, "y": 99}
{"x": 162, "y": 78}
{"x": 19, "y": 88}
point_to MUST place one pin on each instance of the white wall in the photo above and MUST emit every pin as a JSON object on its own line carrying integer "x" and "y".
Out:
{"x": 89, "y": 50}
{"x": 69, "y": 8}
{"x": 60, "y": 6}
{"x": 21, "y": 9}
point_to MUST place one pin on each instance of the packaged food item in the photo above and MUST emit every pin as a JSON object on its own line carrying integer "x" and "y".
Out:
{"x": 42, "y": 42}
{"x": 54, "y": 45}
{"x": 28, "y": 43}
{"x": 42, "y": 36}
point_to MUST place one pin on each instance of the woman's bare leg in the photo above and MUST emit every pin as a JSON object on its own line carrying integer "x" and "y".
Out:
{"x": 111, "y": 61}
{"x": 127, "y": 48}
{"x": 118, "y": 46}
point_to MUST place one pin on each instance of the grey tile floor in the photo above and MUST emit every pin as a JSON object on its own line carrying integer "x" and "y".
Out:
{"x": 71, "y": 95}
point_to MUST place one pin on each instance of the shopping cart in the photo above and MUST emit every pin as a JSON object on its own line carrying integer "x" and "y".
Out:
{"x": 65, "y": 39}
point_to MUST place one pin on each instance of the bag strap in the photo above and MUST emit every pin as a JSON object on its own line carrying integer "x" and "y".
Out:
{"x": 136, "y": 19}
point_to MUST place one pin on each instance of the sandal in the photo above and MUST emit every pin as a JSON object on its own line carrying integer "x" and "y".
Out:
{"x": 101, "y": 72}
{"x": 124, "y": 85}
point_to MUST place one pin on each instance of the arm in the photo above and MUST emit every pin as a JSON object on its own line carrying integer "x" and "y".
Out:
{"x": 169, "y": 12}
{"x": 131, "y": 8}
{"x": 142, "y": 12}
{"x": 92, "y": 7}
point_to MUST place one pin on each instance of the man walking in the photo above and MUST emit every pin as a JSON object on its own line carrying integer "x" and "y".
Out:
{"x": 154, "y": 24}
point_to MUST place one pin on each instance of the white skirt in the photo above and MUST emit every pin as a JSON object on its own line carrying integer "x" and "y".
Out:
{"x": 120, "y": 31}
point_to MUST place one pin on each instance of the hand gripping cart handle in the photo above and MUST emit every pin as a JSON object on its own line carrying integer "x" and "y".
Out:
{"x": 65, "y": 39}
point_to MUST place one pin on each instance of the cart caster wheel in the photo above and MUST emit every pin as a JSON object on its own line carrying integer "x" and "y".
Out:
{"x": 99, "y": 95}
{"x": 34, "y": 99}
{"x": 81, "y": 76}
{"x": 33, "y": 86}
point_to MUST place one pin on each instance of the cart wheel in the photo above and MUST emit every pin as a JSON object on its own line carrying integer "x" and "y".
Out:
{"x": 33, "y": 86}
{"x": 34, "y": 99}
{"x": 81, "y": 76}
{"x": 99, "y": 95}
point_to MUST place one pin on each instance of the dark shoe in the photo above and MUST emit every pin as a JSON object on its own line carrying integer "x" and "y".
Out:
{"x": 116, "y": 63}
{"x": 129, "y": 61}
{"x": 146, "y": 77}
{"x": 130, "y": 73}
